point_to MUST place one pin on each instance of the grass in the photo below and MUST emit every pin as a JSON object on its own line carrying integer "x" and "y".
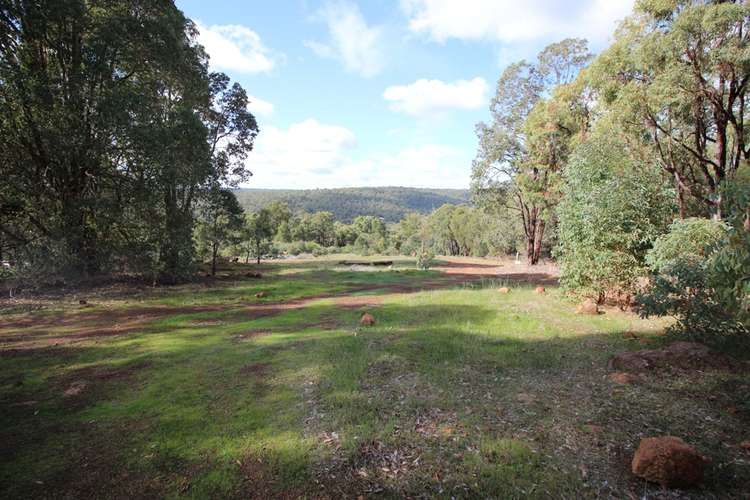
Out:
{"x": 205, "y": 391}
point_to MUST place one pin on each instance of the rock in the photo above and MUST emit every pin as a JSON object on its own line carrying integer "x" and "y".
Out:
{"x": 630, "y": 336}
{"x": 75, "y": 389}
{"x": 745, "y": 445}
{"x": 588, "y": 307}
{"x": 678, "y": 355}
{"x": 668, "y": 461}
{"x": 623, "y": 378}
{"x": 540, "y": 290}
{"x": 261, "y": 295}
{"x": 525, "y": 398}
{"x": 504, "y": 289}
{"x": 367, "y": 320}
{"x": 253, "y": 275}
{"x": 83, "y": 302}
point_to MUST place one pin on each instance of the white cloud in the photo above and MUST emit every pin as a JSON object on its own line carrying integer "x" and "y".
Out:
{"x": 310, "y": 154}
{"x": 235, "y": 48}
{"x": 351, "y": 40}
{"x": 259, "y": 107}
{"x": 429, "y": 97}
{"x": 508, "y": 21}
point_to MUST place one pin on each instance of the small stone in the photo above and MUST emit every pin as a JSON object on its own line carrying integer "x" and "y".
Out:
{"x": 525, "y": 398}
{"x": 540, "y": 290}
{"x": 75, "y": 389}
{"x": 83, "y": 302}
{"x": 589, "y": 307}
{"x": 367, "y": 320}
{"x": 623, "y": 378}
{"x": 668, "y": 461}
{"x": 504, "y": 289}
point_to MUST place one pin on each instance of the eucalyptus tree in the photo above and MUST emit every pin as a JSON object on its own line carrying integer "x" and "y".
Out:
{"x": 677, "y": 75}
{"x": 111, "y": 128}
{"x": 220, "y": 223}
{"x": 516, "y": 164}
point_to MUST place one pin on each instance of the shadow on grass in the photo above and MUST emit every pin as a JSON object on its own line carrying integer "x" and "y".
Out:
{"x": 197, "y": 405}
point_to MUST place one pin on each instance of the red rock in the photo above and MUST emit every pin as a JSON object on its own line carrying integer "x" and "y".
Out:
{"x": 623, "y": 378}
{"x": 504, "y": 289}
{"x": 588, "y": 307}
{"x": 367, "y": 320}
{"x": 540, "y": 290}
{"x": 668, "y": 461}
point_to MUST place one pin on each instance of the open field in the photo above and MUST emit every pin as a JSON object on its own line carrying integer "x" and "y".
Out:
{"x": 207, "y": 391}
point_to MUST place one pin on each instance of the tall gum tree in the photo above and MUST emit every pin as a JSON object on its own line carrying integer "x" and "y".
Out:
{"x": 522, "y": 150}
{"x": 677, "y": 75}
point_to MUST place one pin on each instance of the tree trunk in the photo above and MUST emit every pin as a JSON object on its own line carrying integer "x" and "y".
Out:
{"x": 257, "y": 250}
{"x": 680, "y": 197}
{"x": 538, "y": 236}
{"x": 215, "y": 251}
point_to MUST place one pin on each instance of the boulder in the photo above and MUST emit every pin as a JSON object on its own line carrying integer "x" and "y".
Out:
{"x": 367, "y": 319}
{"x": 677, "y": 355}
{"x": 540, "y": 290}
{"x": 668, "y": 461}
{"x": 589, "y": 307}
{"x": 504, "y": 289}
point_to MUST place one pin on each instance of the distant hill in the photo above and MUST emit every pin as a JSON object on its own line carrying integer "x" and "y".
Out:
{"x": 391, "y": 203}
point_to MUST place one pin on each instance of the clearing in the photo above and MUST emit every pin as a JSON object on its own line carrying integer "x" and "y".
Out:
{"x": 206, "y": 390}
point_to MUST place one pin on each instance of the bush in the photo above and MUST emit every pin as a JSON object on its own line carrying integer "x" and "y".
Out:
{"x": 425, "y": 259}
{"x": 612, "y": 210}
{"x": 685, "y": 282}
{"x": 688, "y": 243}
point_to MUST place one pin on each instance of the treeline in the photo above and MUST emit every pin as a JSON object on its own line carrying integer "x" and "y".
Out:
{"x": 112, "y": 132}
{"x": 456, "y": 230}
{"x": 639, "y": 157}
{"x": 390, "y": 203}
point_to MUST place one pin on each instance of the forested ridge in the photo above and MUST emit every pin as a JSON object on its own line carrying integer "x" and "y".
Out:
{"x": 390, "y": 203}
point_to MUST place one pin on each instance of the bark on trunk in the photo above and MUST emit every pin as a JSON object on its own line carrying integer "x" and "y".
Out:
{"x": 215, "y": 251}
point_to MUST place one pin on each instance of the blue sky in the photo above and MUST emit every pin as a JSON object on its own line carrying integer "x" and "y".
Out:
{"x": 379, "y": 92}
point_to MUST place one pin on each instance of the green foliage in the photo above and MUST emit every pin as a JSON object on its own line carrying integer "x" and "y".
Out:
{"x": 612, "y": 210}
{"x": 730, "y": 266}
{"x": 256, "y": 233}
{"x": 676, "y": 76}
{"x": 685, "y": 282}
{"x": 220, "y": 223}
{"x": 425, "y": 259}
{"x": 107, "y": 146}
{"x": 689, "y": 243}
{"x": 537, "y": 112}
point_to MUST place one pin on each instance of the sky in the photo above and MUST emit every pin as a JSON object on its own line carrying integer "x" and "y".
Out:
{"x": 379, "y": 92}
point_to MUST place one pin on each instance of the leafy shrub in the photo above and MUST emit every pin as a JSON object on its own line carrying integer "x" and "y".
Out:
{"x": 612, "y": 210}
{"x": 685, "y": 279}
{"x": 425, "y": 259}
{"x": 688, "y": 243}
